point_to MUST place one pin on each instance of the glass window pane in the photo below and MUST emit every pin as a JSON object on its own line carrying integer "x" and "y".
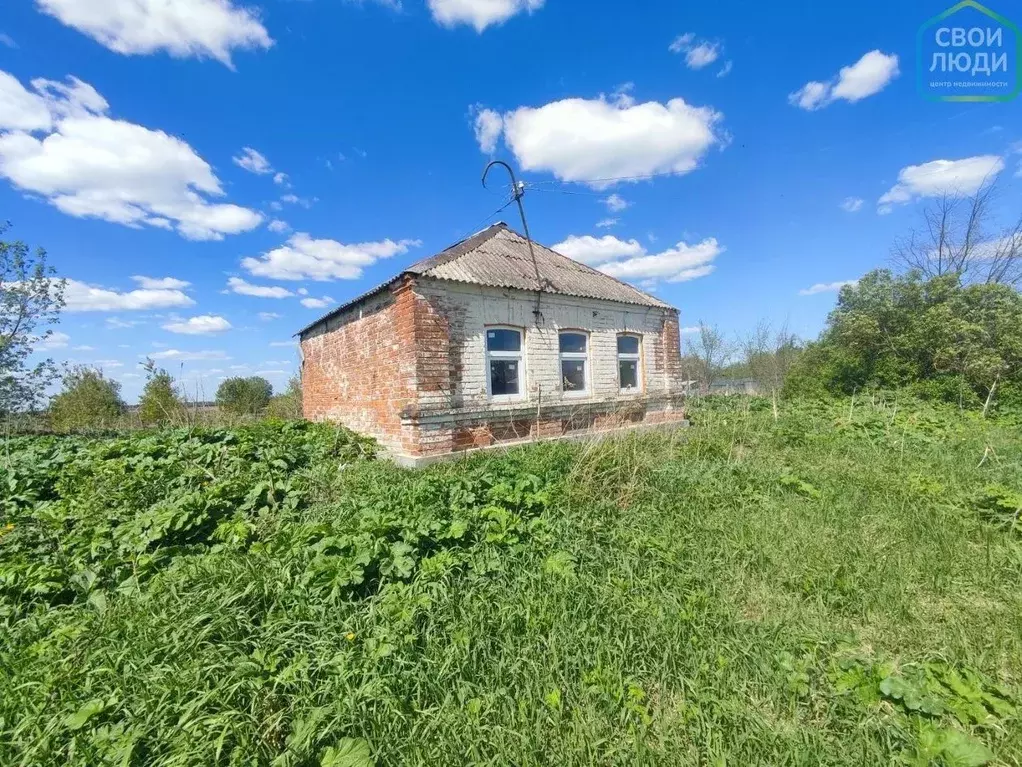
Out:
{"x": 629, "y": 374}
{"x": 627, "y": 345}
{"x": 503, "y": 340}
{"x": 503, "y": 377}
{"x": 573, "y": 375}
{"x": 573, "y": 343}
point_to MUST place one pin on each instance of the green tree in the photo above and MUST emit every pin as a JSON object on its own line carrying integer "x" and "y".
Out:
{"x": 287, "y": 406}
{"x": 160, "y": 402}
{"x": 945, "y": 339}
{"x": 30, "y": 298}
{"x": 87, "y": 401}
{"x": 244, "y": 396}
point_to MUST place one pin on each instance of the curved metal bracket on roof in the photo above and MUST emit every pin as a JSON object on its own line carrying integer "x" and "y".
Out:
{"x": 517, "y": 192}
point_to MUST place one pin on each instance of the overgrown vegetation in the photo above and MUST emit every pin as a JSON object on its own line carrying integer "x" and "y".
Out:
{"x": 840, "y": 585}
{"x": 937, "y": 337}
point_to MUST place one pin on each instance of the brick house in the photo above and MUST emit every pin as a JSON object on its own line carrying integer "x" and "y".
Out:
{"x": 484, "y": 344}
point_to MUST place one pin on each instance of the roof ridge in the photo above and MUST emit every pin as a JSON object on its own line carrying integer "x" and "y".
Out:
{"x": 457, "y": 250}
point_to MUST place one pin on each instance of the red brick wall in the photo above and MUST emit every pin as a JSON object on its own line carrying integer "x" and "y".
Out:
{"x": 360, "y": 371}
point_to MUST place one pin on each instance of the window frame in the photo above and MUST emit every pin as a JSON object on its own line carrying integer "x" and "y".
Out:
{"x": 587, "y": 372}
{"x": 629, "y": 357}
{"x": 518, "y": 356}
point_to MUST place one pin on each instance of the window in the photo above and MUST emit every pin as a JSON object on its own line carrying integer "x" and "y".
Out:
{"x": 574, "y": 362}
{"x": 629, "y": 378}
{"x": 504, "y": 362}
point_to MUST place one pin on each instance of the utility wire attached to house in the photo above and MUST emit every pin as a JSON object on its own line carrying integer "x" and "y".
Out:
{"x": 518, "y": 191}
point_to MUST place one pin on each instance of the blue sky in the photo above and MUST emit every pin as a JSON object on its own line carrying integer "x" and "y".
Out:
{"x": 280, "y": 156}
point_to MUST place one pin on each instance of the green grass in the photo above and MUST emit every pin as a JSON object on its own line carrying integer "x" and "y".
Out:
{"x": 839, "y": 587}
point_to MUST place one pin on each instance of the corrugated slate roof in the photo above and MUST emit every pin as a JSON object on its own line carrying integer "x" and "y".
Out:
{"x": 499, "y": 257}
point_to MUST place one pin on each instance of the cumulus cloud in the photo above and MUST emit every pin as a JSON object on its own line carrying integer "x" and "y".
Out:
{"x": 242, "y": 288}
{"x": 867, "y": 76}
{"x": 278, "y": 226}
{"x": 267, "y": 316}
{"x": 317, "y": 303}
{"x": 280, "y": 178}
{"x": 182, "y": 28}
{"x": 606, "y": 223}
{"x": 58, "y": 142}
{"x": 932, "y": 179}
{"x": 851, "y": 204}
{"x": 184, "y": 356}
{"x": 488, "y": 126}
{"x": 303, "y": 257}
{"x": 479, "y": 14}
{"x": 204, "y": 324}
{"x": 82, "y": 297}
{"x": 597, "y": 250}
{"x": 160, "y": 283}
{"x": 826, "y": 287}
{"x": 616, "y": 203}
{"x": 253, "y": 161}
{"x": 598, "y": 141}
{"x": 698, "y": 53}
{"x": 629, "y": 260}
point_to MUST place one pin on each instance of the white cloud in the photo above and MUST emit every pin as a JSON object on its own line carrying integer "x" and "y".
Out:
{"x": 252, "y": 161}
{"x": 116, "y": 323}
{"x": 175, "y": 354}
{"x": 681, "y": 263}
{"x": 629, "y": 259}
{"x": 479, "y": 13}
{"x": 867, "y": 76}
{"x": 599, "y": 140}
{"x": 598, "y": 250}
{"x": 303, "y": 257}
{"x": 606, "y": 223}
{"x": 698, "y": 53}
{"x": 160, "y": 283}
{"x": 81, "y": 297}
{"x": 278, "y": 226}
{"x": 84, "y": 348}
{"x": 267, "y": 316}
{"x": 284, "y": 343}
{"x": 317, "y": 303}
{"x": 826, "y": 287}
{"x": 616, "y": 203}
{"x": 851, "y": 204}
{"x": 203, "y": 324}
{"x": 20, "y": 109}
{"x": 104, "y": 364}
{"x": 200, "y": 28}
{"x": 488, "y": 127}
{"x": 281, "y": 179}
{"x": 7, "y": 40}
{"x": 56, "y": 340}
{"x": 725, "y": 70}
{"x": 239, "y": 286}
{"x": 690, "y": 330}
{"x": 90, "y": 165}
{"x": 937, "y": 177}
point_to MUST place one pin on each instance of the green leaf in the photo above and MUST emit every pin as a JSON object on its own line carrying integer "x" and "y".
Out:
{"x": 82, "y": 716}
{"x": 961, "y": 750}
{"x": 349, "y": 752}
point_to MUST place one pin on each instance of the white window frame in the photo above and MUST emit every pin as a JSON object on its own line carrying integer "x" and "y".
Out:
{"x": 636, "y": 358}
{"x": 518, "y": 356}
{"x": 574, "y": 357}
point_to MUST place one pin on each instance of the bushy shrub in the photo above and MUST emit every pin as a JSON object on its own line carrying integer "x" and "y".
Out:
{"x": 88, "y": 401}
{"x": 287, "y": 406}
{"x": 244, "y": 396}
{"x": 159, "y": 403}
